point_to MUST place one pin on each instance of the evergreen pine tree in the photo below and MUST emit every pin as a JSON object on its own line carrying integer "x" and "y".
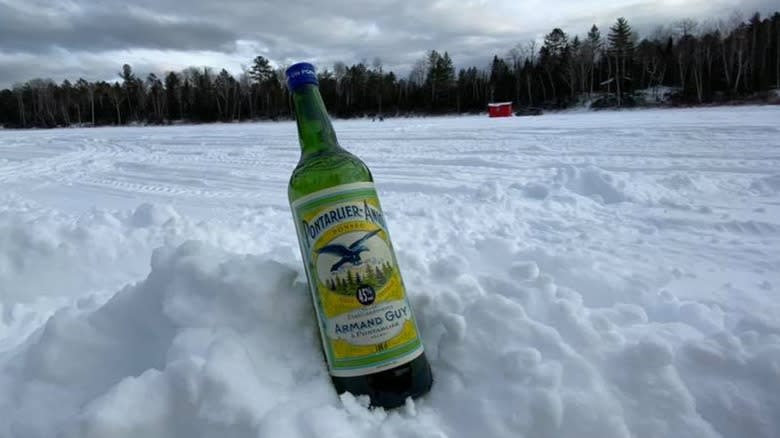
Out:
{"x": 173, "y": 97}
{"x": 621, "y": 50}
{"x": 553, "y": 56}
{"x": 593, "y": 48}
{"x": 261, "y": 70}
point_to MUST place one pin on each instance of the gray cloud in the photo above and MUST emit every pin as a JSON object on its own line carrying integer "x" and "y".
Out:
{"x": 106, "y": 27}
{"x": 93, "y": 38}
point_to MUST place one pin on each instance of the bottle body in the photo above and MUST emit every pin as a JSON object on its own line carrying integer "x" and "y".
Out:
{"x": 369, "y": 334}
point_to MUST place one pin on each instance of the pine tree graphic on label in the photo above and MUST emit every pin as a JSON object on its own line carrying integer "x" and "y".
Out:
{"x": 352, "y": 260}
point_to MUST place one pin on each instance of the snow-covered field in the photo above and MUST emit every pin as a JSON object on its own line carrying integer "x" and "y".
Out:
{"x": 611, "y": 274}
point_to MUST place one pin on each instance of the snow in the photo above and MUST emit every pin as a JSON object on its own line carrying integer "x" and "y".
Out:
{"x": 657, "y": 94}
{"x": 609, "y": 274}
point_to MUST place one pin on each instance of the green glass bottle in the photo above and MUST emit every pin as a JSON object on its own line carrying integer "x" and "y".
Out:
{"x": 369, "y": 335}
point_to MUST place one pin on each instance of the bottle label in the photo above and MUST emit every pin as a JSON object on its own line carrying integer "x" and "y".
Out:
{"x": 365, "y": 318}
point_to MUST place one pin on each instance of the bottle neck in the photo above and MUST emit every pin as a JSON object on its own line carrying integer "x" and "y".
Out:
{"x": 315, "y": 132}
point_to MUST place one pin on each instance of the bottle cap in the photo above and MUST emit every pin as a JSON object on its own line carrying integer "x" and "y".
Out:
{"x": 300, "y": 74}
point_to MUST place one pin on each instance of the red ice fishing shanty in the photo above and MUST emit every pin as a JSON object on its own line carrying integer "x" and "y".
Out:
{"x": 500, "y": 109}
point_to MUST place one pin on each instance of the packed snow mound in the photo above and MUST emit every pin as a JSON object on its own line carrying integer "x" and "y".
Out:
{"x": 592, "y": 182}
{"x": 214, "y": 343}
{"x": 150, "y": 214}
{"x": 44, "y": 254}
{"x": 768, "y": 185}
{"x": 581, "y": 181}
{"x": 48, "y": 259}
{"x": 678, "y": 181}
{"x": 205, "y": 346}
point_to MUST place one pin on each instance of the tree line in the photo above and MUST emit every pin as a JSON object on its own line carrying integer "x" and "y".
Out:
{"x": 681, "y": 64}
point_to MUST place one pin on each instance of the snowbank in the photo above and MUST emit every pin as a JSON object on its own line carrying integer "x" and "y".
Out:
{"x": 769, "y": 185}
{"x": 213, "y": 343}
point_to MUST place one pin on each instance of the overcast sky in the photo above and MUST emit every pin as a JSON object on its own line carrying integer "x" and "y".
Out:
{"x": 68, "y": 39}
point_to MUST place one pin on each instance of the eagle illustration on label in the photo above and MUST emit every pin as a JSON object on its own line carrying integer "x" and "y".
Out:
{"x": 348, "y": 254}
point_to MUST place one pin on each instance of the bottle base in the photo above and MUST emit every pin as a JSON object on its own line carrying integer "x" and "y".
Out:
{"x": 390, "y": 389}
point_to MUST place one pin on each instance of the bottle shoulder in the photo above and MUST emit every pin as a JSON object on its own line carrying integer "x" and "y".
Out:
{"x": 325, "y": 170}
